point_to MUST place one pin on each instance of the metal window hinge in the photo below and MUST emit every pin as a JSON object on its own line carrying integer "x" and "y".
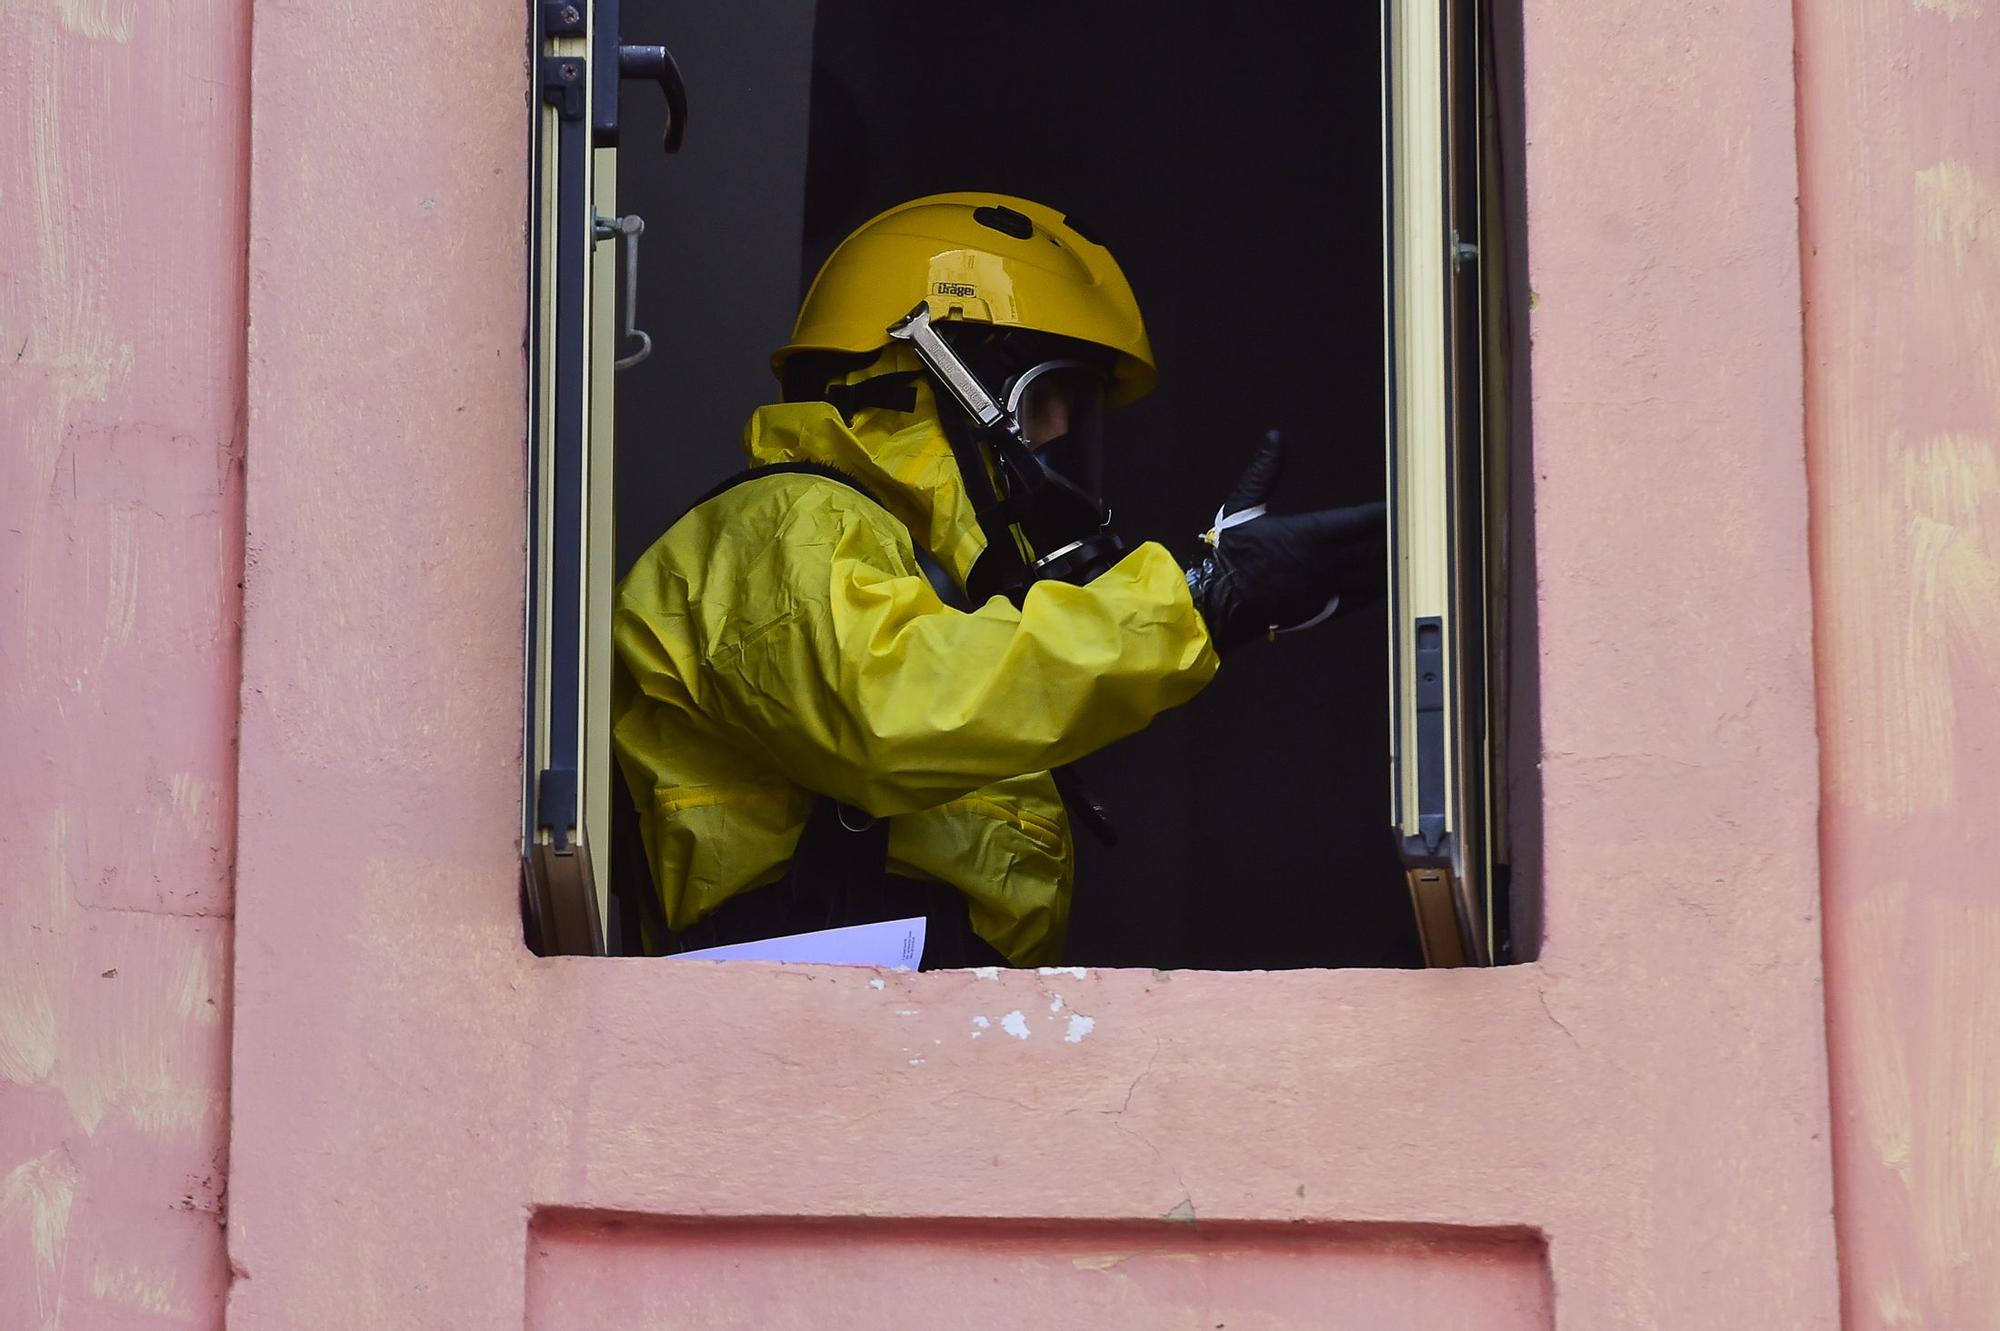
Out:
{"x": 555, "y": 806}
{"x": 563, "y": 84}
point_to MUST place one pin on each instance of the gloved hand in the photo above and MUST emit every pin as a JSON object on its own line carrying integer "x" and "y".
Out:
{"x": 1266, "y": 574}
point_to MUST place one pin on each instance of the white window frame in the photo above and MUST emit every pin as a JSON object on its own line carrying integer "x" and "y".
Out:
{"x": 1445, "y": 470}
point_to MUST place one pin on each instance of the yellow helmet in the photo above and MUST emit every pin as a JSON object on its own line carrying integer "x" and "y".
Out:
{"x": 976, "y": 258}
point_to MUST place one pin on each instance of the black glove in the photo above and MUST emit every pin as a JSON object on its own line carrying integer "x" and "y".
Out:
{"x": 1265, "y": 574}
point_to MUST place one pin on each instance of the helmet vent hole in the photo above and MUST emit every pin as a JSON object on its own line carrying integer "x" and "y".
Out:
{"x": 1006, "y": 221}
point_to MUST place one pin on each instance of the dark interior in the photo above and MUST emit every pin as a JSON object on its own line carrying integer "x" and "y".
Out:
{"x": 1235, "y": 172}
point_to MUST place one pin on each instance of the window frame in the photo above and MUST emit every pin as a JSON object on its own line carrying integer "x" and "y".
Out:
{"x": 1443, "y": 487}
{"x": 566, "y": 726}
{"x": 1447, "y": 474}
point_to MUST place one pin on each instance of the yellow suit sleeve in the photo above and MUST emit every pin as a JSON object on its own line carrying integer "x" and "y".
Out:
{"x": 859, "y": 683}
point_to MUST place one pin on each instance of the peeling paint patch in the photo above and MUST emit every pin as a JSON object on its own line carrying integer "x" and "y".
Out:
{"x": 99, "y": 20}
{"x": 1099, "y": 1262}
{"x": 136, "y": 1287}
{"x": 1955, "y": 1163}
{"x": 1015, "y": 1025}
{"x": 27, "y": 1023}
{"x": 1953, "y": 10}
{"x": 1183, "y": 1211}
{"x": 161, "y": 1103}
{"x": 43, "y": 1189}
{"x": 1079, "y": 972}
{"x": 29, "y": 1026}
{"x": 877, "y": 983}
{"x": 197, "y": 990}
{"x": 980, "y": 1026}
{"x": 1079, "y": 1027}
{"x": 121, "y": 593}
{"x": 1953, "y": 207}
{"x": 195, "y": 799}
{"x": 1055, "y": 1004}
{"x": 1931, "y": 589}
{"x": 987, "y": 972}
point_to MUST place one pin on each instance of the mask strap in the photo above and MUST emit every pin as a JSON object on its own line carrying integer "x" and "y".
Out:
{"x": 893, "y": 392}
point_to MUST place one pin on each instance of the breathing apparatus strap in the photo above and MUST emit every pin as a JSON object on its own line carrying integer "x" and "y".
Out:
{"x": 1001, "y": 568}
{"x": 819, "y": 469}
{"x": 895, "y": 392}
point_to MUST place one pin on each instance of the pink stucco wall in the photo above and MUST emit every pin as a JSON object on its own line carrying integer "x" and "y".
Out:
{"x": 1900, "y": 156}
{"x": 122, "y": 134}
{"x": 433, "y": 1129}
{"x": 429, "y": 1125}
{"x": 611, "y": 1274}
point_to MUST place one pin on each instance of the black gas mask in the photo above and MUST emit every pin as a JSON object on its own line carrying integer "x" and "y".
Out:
{"x": 1061, "y": 401}
{"x": 999, "y": 390}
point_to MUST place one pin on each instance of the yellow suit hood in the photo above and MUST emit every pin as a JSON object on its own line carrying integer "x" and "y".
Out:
{"x": 902, "y": 457}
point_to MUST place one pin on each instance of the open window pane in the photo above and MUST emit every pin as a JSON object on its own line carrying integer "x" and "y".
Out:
{"x": 569, "y": 583}
{"x": 1446, "y": 476}
{"x": 600, "y": 535}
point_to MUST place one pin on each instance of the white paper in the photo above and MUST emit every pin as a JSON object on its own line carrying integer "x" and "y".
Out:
{"x": 890, "y": 943}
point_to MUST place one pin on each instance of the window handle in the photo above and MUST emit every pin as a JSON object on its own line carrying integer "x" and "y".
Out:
{"x": 655, "y": 64}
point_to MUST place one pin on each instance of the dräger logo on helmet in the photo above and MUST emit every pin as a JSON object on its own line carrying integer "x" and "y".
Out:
{"x": 956, "y": 289}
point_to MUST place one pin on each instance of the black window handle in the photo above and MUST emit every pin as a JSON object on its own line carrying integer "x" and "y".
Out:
{"x": 655, "y": 64}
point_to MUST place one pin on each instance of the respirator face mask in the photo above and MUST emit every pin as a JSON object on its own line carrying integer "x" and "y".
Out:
{"x": 1009, "y": 394}
{"x": 1063, "y": 402}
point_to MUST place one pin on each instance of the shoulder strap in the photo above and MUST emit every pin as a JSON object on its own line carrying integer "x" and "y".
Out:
{"x": 819, "y": 469}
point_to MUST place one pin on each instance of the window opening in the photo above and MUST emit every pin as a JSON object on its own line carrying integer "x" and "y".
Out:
{"x": 1240, "y": 181}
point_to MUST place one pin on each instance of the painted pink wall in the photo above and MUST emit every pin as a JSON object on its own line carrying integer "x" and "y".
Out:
{"x": 433, "y": 1129}
{"x": 122, "y": 127}
{"x": 611, "y": 1274}
{"x": 420, "y": 1108}
{"x": 1900, "y": 114}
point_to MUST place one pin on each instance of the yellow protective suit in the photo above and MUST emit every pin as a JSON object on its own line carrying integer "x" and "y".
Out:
{"x": 781, "y": 640}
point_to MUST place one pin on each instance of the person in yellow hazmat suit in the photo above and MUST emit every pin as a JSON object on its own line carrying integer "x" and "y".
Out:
{"x": 850, "y": 677}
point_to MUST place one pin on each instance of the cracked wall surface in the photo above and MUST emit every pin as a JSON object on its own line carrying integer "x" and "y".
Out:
{"x": 122, "y": 226}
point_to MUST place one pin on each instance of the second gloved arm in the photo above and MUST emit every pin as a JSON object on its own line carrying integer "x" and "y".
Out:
{"x": 1266, "y": 573}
